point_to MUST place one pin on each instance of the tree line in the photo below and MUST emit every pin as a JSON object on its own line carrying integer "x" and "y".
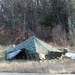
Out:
{"x": 50, "y": 20}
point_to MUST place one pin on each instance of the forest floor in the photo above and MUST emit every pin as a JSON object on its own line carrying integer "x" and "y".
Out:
{"x": 61, "y": 66}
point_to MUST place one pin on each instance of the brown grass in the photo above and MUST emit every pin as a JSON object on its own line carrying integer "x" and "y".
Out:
{"x": 48, "y": 66}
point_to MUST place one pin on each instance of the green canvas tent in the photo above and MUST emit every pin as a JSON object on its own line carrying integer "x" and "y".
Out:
{"x": 33, "y": 48}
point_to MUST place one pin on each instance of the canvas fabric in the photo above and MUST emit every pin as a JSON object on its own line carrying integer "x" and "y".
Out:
{"x": 35, "y": 45}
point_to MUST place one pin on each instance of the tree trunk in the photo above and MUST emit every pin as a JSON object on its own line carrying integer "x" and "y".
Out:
{"x": 25, "y": 27}
{"x": 70, "y": 24}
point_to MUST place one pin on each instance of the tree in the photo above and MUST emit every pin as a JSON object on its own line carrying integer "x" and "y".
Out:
{"x": 70, "y": 24}
{"x": 57, "y": 15}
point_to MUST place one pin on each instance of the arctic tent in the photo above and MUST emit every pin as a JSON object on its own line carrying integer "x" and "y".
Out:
{"x": 32, "y": 48}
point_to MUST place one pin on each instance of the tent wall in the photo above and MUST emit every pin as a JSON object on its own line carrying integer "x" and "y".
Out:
{"x": 53, "y": 55}
{"x": 22, "y": 54}
{"x": 32, "y": 56}
{"x": 13, "y": 54}
{"x": 29, "y": 55}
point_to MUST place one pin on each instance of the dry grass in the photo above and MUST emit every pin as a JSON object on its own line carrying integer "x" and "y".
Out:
{"x": 48, "y": 66}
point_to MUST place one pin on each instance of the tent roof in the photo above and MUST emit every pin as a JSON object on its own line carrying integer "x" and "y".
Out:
{"x": 35, "y": 45}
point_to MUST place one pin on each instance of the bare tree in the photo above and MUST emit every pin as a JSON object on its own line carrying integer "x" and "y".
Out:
{"x": 70, "y": 24}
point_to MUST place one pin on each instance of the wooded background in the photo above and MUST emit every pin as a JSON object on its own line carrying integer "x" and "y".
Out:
{"x": 50, "y": 20}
